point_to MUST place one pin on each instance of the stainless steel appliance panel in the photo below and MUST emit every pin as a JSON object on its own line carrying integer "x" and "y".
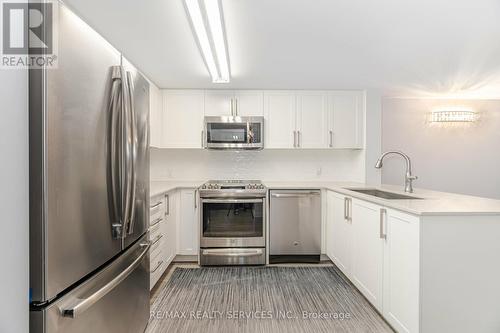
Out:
{"x": 114, "y": 300}
{"x": 234, "y": 132}
{"x": 295, "y": 222}
{"x": 232, "y": 256}
{"x": 70, "y": 223}
{"x": 232, "y": 222}
{"x": 139, "y": 90}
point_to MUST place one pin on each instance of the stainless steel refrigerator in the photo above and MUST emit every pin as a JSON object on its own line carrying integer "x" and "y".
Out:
{"x": 89, "y": 184}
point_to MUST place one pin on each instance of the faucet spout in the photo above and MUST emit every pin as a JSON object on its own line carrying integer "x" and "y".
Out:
{"x": 409, "y": 178}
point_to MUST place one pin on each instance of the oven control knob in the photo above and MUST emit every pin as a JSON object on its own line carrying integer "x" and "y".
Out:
{"x": 261, "y": 187}
{"x": 203, "y": 186}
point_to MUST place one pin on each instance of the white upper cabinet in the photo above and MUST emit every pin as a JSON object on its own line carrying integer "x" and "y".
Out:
{"x": 312, "y": 119}
{"x": 233, "y": 103}
{"x": 293, "y": 119}
{"x": 346, "y": 119}
{"x": 219, "y": 102}
{"x": 183, "y": 118}
{"x": 249, "y": 103}
{"x": 279, "y": 119}
{"x": 155, "y": 116}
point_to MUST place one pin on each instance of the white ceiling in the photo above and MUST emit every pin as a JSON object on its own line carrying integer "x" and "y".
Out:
{"x": 403, "y": 48}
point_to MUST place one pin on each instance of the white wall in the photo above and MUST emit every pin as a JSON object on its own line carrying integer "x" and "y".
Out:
{"x": 461, "y": 158}
{"x": 14, "y": 247}
{"x": 197, "y": 164}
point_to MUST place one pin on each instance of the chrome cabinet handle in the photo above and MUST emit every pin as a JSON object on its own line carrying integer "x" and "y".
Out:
{"x": 232, "y": 109}
{"x": 345, "y": 208}
{"x": 167, "y": 201}
{"x": 298, "y": 140}
{"x": 155, "y": 205}
{"x": 202, "y": 139}
{"x": 195, "y": 201}
{"x": 236, "y": 106}
{"x": 83, "y": 304}
{"x": 382, "y": 234}
{"x": 331, "y": 138}
{"x": 157, "y": 266}
{"x": 295, "y": 139}
{"x": 157, "y": 239}
{"x": 155, "y": 222}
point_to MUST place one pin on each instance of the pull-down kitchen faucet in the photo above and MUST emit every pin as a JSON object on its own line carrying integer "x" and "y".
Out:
{"x": 408, "y": 176}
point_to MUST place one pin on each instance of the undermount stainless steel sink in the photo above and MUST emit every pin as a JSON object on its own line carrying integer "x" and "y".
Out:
{"x": 383, "y": 194}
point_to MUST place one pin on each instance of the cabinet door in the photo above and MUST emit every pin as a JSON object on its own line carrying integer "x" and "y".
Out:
{"x": 346, "y": 110}
{"x": 312, "y": 119}
{"x": 249, "y": 103}
{"x": 368, "y": 251}
{"x": 155, "y": 116}
{"x": 280, "y": 119}
{"x": 218, "y": 102}
{"x": 401, "y": 271}
{"x": 188, "y": 234}
{"x": 183, "y": 118}
{"x": 341, "y": 232}
{"x": 170, "y": 230}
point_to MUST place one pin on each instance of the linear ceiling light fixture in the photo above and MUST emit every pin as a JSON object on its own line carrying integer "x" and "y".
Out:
{"x": 207, "y": 23}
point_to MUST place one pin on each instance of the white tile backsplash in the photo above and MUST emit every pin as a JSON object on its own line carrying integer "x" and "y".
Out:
{"x": 328, "y": 165}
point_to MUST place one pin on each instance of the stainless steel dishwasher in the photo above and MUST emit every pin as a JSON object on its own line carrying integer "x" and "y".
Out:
{"x": 295, "y": 226}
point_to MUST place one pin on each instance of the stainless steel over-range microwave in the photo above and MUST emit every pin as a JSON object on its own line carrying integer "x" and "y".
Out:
{"x": 233, "y": 132}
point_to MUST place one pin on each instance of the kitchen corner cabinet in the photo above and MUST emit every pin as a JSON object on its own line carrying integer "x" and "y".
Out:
{"x": 234, "y": 103}
{"x": 183, "y": 112}
{"x": 188, "y": 221}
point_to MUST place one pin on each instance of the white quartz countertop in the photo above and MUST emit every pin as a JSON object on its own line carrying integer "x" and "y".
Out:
{"x": 432, "y": 202}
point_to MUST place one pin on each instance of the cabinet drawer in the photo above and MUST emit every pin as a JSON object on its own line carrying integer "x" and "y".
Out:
{"x": 157, "y": 208}
{"x": 156, "y": 270}
{"x": 156, "y": 243}
{"x": 155, "y": 230}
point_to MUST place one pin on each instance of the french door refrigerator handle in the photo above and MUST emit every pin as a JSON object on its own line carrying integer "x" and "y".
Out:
{"x": 115, "y": 151}
{"x": 133, "y": 149}
{"x": 83, "y": 304}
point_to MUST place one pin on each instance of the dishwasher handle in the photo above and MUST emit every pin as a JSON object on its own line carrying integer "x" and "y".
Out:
{"x": 295, "y": 195}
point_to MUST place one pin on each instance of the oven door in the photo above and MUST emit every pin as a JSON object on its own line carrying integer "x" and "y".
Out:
{"x": 233, "y": 133}
{"x": 235, "y": 222}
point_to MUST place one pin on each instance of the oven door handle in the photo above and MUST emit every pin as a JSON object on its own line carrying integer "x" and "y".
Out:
{"x": 233, "y": 252}
{"x": 261, "y": 200}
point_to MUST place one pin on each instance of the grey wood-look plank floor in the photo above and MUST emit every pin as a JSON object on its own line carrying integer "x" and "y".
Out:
{"x": 260, "y": 299}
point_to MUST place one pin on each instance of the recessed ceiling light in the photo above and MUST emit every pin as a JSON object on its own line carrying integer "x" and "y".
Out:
{"x": 207, "y": 21}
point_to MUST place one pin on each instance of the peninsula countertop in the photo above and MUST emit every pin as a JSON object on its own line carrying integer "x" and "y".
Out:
{"x": 426, "y": 202}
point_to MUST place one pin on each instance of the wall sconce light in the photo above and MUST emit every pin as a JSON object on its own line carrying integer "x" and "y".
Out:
{"x": 453, "y": 115}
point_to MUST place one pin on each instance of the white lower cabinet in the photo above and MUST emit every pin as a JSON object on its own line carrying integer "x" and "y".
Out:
{"x": 377, "y": 248}
{"x": 367, "y": 251}
{"x": 339, "y": 231}
{"x": 401, "y": 270}
{"x": 187, "y": 226}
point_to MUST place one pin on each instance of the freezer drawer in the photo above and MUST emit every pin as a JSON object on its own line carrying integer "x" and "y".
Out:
{"x": 116, "y": 299}
{"x": 295, "y": 225}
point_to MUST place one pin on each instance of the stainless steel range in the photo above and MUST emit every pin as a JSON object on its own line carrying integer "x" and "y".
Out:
{"x": 232, "y": 230}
